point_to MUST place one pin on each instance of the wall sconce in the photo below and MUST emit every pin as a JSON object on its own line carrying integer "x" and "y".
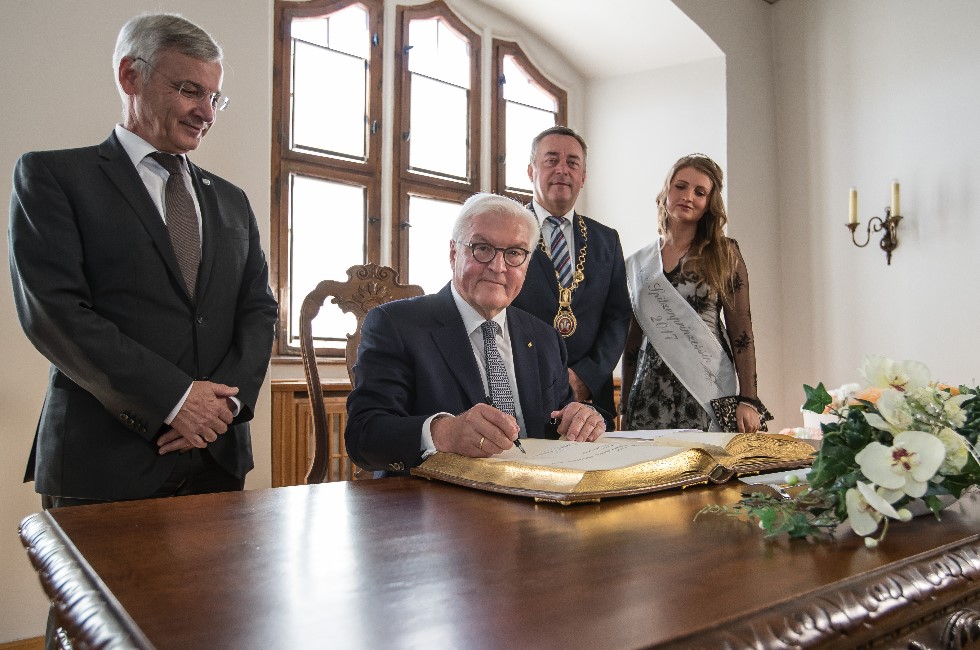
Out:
{"x": 889, "y": 241}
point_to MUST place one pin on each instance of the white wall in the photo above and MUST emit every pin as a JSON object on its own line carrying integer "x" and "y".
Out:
{"x": 638, "y": 126}
{"x": 57, "y": 73}
{"x": 868, "y": 92}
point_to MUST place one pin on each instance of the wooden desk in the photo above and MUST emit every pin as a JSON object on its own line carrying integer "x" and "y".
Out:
{"x": 403, "y": 562}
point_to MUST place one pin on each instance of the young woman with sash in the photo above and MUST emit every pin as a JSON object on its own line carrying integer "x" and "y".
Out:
{"x": 691, "y": 340}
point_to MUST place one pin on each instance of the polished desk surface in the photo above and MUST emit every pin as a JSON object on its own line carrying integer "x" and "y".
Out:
{"x": 405, "y": 562}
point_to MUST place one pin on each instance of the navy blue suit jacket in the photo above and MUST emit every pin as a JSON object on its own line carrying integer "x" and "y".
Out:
{"x": 416, "y": 360}
{"x": 99, "y": 293}
{"x": 601, "y": 304}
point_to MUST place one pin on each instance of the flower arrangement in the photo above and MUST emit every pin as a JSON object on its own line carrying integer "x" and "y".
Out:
{"x": 898, "y": 439}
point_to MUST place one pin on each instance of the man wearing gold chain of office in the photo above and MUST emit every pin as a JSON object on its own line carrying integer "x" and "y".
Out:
{"x": 576, "y": 279}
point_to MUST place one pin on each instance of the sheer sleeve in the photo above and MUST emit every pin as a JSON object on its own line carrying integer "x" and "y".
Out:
{"x": 634, "y": 339}
{"x": 738, "y": 323}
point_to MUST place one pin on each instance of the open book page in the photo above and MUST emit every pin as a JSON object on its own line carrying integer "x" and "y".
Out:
{"x": 585, "y": 456}
{"x": 713, "y": 442}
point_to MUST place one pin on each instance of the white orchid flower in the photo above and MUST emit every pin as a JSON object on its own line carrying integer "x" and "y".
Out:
{"x": 957, "y": 451}
{"x": 900, "y": 375}
{"x": 896, "y": 416}
{"x": 866, "y": 507}
{"x": 907, "y": 465}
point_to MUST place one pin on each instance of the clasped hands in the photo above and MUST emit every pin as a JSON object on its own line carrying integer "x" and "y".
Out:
{"x": 205, "y": 415}
{"x": 484, "y": 431}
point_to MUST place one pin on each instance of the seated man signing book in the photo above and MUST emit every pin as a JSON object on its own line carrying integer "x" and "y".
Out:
{"x": 462, "y": 371}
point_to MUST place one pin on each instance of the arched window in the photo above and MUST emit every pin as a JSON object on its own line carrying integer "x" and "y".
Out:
{"x": 329, "y": 181}
{"x": 525, "y": 104}
{"x": 326, "y": 152}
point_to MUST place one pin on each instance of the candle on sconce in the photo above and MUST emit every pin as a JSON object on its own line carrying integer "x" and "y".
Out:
{"x": 895, "y": 200}
{"x": 852, "y": 214}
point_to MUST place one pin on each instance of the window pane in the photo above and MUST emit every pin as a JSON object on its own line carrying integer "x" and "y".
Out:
{"x": 329, "y": 94}
{"x": 438, "y": 122}
{"x": 528, "y": 110}
{"x": 344, "y": 31}
{"x": 428, "y": 242}
{"x": 438, "y": 52}
{"x": 326, "y": 235}
{"x": 523, "y": 123}
{"x": 439, "y": 62}
{"x": 520, "y": 87}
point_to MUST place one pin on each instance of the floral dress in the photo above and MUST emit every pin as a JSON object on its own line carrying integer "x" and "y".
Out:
{"x": 657, "y": 399}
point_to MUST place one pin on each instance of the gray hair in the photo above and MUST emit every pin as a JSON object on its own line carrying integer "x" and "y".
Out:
{"x": 146, "y": 35}
{"x": 559, "y": 130}
{"x": 498, "y": 206}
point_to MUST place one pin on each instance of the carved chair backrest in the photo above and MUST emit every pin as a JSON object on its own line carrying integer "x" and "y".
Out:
{"x": 367, "y": 286}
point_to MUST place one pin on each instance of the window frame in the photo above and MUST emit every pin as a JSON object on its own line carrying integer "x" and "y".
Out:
{"x": 498, "y": 113}
{"x": 387, "y": 183}
{"x": 285, "y": 161}
{"x": 406, "y": 182}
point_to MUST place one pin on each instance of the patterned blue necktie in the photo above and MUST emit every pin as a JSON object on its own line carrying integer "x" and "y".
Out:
{"x": 559, "y": 251}
{"x": 497, "y": 380}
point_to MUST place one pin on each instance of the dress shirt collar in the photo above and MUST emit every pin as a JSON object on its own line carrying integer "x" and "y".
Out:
{"x": 472, "y": 320}
{"x": 137, "y": 148}
{"x": 543, "y": 214}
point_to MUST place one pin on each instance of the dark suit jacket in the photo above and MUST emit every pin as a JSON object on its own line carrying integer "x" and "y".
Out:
{"x": 601, "y": 305}
{"x": 99, "y": 293}
{"x": 416, "y": 360}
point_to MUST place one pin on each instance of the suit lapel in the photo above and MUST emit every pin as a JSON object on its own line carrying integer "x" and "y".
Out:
{"x": 527, "y": 375}
{"x": 449, "y": 336}
{"x": 210, "y": 218}
{"x": 120, "y": 170}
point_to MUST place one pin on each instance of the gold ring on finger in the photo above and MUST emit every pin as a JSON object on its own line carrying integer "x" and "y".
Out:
{"x": 482, "y": 440}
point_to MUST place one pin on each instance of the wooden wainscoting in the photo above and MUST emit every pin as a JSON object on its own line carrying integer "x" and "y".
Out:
{"x": 292, "y": 430}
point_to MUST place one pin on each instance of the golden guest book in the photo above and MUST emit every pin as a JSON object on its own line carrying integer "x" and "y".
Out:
{"x": 568, "y": 472}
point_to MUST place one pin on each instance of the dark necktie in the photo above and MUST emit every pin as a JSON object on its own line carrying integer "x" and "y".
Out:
{"x": 559, "y": 251}
{"x": 497, "y": 380}
{"x": 181, "y": 220}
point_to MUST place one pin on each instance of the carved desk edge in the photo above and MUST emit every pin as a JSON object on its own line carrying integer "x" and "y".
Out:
{"x": 85, "y": 607}
{"x": 926, "y": 592}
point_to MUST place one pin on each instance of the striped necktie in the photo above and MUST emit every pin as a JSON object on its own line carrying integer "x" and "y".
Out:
{"x": 559, "y": 251}
{"x": 497, "y": 381}
{"x": 181, "y": 217}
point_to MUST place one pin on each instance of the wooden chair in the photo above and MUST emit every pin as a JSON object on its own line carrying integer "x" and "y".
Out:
{"x": 367, "y": 286}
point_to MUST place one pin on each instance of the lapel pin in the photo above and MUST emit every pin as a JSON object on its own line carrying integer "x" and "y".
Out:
{"x": 530, "y": 345}
{"x": 206, "y": 181}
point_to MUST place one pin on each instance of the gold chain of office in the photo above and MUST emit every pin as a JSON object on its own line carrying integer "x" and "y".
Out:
{"x": 565, "y": 321}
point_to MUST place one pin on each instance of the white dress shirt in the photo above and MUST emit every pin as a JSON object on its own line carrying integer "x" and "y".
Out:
{"x": 473, "y": 323}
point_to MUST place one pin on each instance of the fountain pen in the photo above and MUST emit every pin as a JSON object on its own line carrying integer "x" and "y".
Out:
{"x": 517, "y": 442}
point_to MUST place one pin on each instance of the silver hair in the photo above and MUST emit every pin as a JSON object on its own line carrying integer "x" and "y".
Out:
{"x": 146, "y": 35}
{"x": 496, "y": 205}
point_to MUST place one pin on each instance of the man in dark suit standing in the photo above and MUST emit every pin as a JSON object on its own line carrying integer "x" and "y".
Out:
{"x": 461, "y": 370}
{"x": 576, "y": 280}
{"x": 141, "y": 278}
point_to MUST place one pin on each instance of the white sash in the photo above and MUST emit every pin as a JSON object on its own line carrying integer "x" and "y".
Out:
{"x": 676, "y": 331}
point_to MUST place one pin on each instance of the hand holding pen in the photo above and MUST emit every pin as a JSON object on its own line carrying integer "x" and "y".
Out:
{"x": 479, "y": 432}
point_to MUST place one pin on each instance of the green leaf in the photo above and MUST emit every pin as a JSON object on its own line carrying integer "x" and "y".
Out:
{"x": 817, "y": 399}
{"x": 935, "y": 505}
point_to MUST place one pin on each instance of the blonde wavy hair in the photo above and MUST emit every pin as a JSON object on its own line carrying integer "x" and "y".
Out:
{"x": 711, "y": 256}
